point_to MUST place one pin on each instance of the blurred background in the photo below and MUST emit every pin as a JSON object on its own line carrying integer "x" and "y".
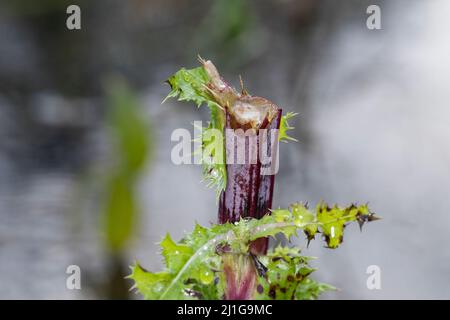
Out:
{"x": 85, "y": 170}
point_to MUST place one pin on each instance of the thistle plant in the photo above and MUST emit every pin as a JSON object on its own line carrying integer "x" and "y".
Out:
{"x": 231, "y": 259}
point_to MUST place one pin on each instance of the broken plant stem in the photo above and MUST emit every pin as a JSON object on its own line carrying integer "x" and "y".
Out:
{"x": 228, "y": 260}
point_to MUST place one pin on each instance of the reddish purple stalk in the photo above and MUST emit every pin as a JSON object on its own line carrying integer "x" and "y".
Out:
{"x": 249, "y": 189}
{"x": 248, "y": 193}
{"x": 240, "y": 277}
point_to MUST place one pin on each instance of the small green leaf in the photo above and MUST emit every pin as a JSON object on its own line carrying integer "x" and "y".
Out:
{"x": 175, "y": 255}
{"x": 287, "y": 269}
{"x": 150, "y": 285}
{"x": 305, "y": 218}
{"x": 281, "y": 215}
{"x": 191, "y": 85}
{"x": 213, "y": 158}
{"x": 284, "y": 127}
{"x": 309, "y": 289}
{"x": 197, "y": 238}
{"x": 332, "y": 221}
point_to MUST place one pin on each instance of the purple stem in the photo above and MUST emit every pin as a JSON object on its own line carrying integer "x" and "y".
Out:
{"x": 248, "y": 193}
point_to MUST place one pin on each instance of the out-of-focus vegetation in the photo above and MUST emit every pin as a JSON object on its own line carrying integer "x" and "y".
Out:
{"x": 25, "y": 7}
{"x": 132, "y": 145}
{"x": 130, "y": 135}
{"x": 229, "y": 32}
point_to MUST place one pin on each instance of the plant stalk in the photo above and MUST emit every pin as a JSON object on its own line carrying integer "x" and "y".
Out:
{"x": 248, "y": 193}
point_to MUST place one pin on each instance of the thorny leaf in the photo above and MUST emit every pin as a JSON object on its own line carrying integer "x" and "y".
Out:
{"x": 287, "y": 275}
{"x": 332, "y": 220}
{"x": 175, "y": 255}
{"x": 284, "y": 127}
{"x": 191, "y": 85}
{"x": 194, "y": 264}
{"x": 309, "y": 289}
{"x": 150, "y": 285}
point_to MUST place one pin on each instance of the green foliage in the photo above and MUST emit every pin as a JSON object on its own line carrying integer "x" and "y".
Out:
{"x": 189, "y": 271}
{"x": 229, "y": 24}
{"x": 217, "y": 262}
{"x": 120, "y": 212}
{"x": 131, "y": 151}
{"x": 328, "y": 221}
{"x": 213, "y": 153}
{"x": 149, "y": 284}
{"x": 191, "y": 85}
{"x": 193, "y": 265}
{"x": 129, "y": 128}
{"x": 287, "y": 277}
{"x": 309, "y": 289}
{"x": 284, "y": 127}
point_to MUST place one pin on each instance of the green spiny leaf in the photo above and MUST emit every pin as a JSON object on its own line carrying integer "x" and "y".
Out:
{"x": 306, "y": 218}
{"x": 150, "y": 285}
{"x": 332, "y": 221}
{"x": 284, "y": 127}
{"x": 192, "y": 263}
{"x": 175, "y": 255}
{"x": 286, "y": 270}
{"x": 191, "y": 85}
{"x": 309, "y": 289}
{"x": 197, "y": 238}
{"x": 213, "y": 153}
